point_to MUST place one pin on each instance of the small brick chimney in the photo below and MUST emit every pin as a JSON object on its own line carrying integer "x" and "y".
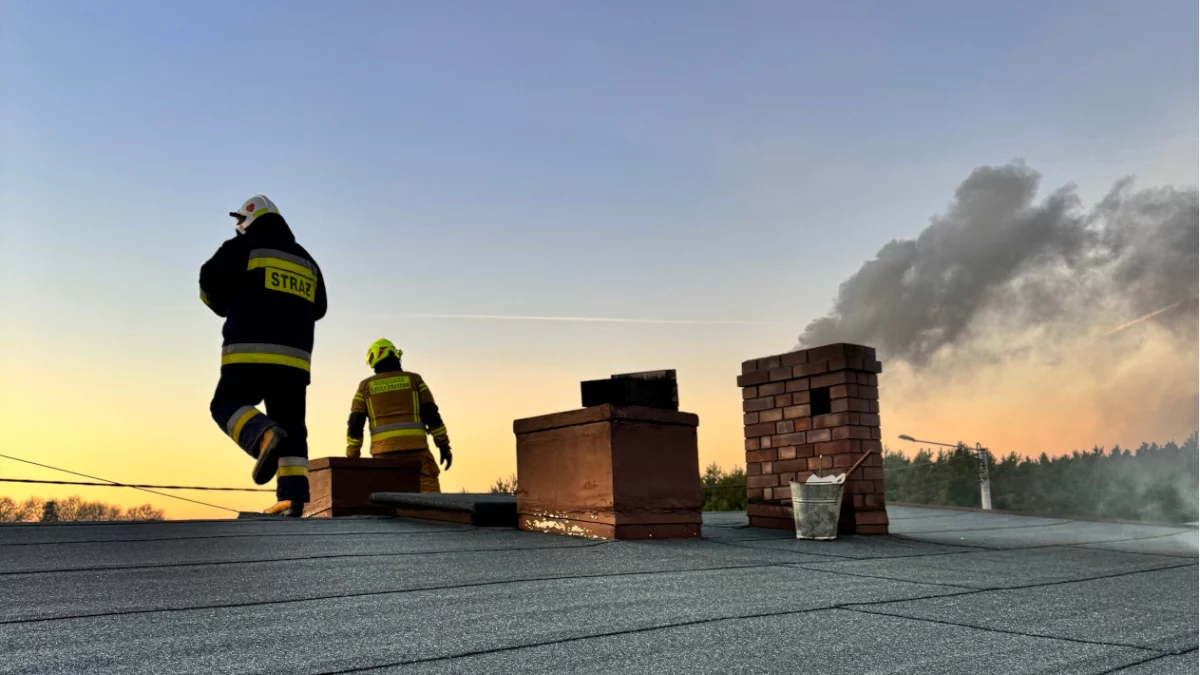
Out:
{"x": 813, "y": 411}
{"x": 624, "y": 466}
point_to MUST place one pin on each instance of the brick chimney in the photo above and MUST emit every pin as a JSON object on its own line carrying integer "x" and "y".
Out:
{"x": 813, "y": 411}
{"x": 624, "y": 466}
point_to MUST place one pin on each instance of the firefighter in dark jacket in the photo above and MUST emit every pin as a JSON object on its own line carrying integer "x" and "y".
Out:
{"x": 271, "y": 293}
{"x": 401, "y": 411}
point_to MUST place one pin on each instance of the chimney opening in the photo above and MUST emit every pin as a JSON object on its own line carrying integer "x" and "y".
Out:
{"x": 819, "y": 401}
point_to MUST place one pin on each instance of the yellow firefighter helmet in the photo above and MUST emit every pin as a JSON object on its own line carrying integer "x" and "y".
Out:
{"x": 380, "y": 349}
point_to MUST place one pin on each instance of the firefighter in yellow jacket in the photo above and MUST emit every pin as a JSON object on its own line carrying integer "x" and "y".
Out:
{"x": 401, "y": 410}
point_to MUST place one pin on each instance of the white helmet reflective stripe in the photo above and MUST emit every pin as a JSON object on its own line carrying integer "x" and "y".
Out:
{"x": 251, "y": 209}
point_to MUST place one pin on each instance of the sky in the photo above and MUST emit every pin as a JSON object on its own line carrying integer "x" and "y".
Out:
{"x": 723, "y": 164}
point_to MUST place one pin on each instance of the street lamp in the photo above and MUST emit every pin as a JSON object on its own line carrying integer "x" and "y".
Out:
{"x": 985, "y": 481}
{"x": 906, "y": 437}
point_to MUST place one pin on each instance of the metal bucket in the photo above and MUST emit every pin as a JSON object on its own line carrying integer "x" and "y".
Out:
{"x": 816, "y": 507}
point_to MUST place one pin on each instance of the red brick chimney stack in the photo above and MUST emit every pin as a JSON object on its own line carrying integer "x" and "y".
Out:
{"x": 813, "y": 411}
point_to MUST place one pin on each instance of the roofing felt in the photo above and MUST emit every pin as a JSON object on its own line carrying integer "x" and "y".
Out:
{"x": 947, "y": 592}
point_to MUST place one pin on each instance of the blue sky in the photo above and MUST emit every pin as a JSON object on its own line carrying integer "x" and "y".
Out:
{"x": 502, "y": 145}
{"x": 698, "y": 160}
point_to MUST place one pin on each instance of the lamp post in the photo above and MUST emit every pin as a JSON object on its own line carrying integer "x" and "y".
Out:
{"x": 985, "y": 481}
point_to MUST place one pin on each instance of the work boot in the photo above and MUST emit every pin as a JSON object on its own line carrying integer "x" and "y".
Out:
{"x": 269, "y": 447}
{"x": 286, "y": 507}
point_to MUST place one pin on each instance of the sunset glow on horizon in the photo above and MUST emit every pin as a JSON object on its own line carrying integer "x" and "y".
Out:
{"x": 525, "y": 197}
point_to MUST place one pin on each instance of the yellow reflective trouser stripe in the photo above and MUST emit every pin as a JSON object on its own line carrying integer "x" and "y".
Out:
{"x": 275, "y": 359}
{"x": 292, "y": 466}
{"x": 239, "y": 420}
{"x": 350, "y": 440}
{"x": 398, "y": 432}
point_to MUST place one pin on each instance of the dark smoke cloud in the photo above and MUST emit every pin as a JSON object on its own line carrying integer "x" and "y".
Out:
{"x": 998, "y": 250}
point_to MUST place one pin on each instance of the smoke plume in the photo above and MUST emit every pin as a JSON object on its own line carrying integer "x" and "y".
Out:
{"x": 1000, "y": 260}
{"x": 1033, "y": 323}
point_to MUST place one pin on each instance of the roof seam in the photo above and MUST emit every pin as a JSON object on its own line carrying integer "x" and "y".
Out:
{"x": 846, "y": 558}
{"x": 577, "y": 638}
{"x": 1034, "y": 548}
{"x": 883, "y": 578}
{"x": 1044, "y": 584}
{"x": 975, "y": 548}
{"x": 331, "y": 556}
{"x": 308, "y": 536}
{"x": 1127, "y": 666}
{"x": 401, "y": 591}
{"x": 1001, "y": 630}
{"x": 995, "y": 529}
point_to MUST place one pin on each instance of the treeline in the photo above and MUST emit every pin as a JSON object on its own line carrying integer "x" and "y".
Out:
{"x": 71, "y": 509}
{"x": 1152, "y": 483}
{"x": 504, "y": 487}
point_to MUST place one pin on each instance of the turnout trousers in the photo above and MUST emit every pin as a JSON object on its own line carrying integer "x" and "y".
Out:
{"x": 284, "y": 390}
{"x": 429, "y": 466}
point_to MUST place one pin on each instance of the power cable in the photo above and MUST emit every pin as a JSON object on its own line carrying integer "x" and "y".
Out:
{"x": 160, "y": 487}
{"x": 907, "y": 466}
{"x": 116, "y": 484}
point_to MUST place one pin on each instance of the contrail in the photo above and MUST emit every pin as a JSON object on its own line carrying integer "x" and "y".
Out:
{"x": 590, "y": 319}
{"x": 577, "y": 319}
{"x": 1140, "y": 319}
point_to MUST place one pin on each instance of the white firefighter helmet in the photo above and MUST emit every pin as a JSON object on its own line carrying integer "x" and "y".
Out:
{"x": 250, "y": 211}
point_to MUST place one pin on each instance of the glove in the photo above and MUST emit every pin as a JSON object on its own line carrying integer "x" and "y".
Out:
{"x": 352, "y": 451}
{"x": 443, "y": 446}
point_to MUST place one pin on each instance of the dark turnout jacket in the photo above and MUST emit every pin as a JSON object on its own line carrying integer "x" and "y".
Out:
{"x": 270, "y": 292}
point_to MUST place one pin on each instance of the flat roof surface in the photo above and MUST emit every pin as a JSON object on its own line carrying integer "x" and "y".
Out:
{"x": 947, "y": 592}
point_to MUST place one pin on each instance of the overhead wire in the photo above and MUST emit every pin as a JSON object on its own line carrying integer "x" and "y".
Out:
{"x": 132, "y": 485}
{"x": 114, "y": 483}
{"x": 148, "y": 487}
